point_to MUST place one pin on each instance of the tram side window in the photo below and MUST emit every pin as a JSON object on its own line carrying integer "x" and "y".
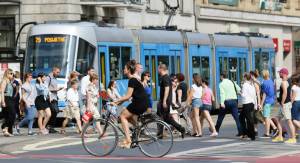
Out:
{"x": 201, "y": 66}
{"x": 118, "y": 57}
{"x": 85, "y": 56}
{"x": 261, "y": 61}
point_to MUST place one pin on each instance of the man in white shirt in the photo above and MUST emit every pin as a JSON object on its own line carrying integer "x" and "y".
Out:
{"x": 85, "y": 81}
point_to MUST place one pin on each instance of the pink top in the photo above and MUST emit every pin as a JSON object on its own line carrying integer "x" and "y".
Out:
{"x": 206, "y": 97}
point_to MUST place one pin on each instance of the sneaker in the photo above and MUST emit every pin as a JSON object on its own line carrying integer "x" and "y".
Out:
{"x": 275, "y": 133}
{"x": 18, "y": 131}
{"x": 277, "y": 139}
{"x": 266, "y": 136}
{"x": 214, "y": 134}
{"x": 31, "y": 134}
{"x": 291, "y": 141}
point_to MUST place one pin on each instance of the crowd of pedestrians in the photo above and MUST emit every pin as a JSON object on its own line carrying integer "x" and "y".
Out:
{"x": 184, "y": 108}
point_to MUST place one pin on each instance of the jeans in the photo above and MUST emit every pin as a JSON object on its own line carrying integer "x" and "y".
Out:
{"x": 232, "y": 106}
{"x": 29, "y": 117}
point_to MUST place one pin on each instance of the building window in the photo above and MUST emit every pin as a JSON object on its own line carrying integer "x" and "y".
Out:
{"x": 7, "y": 32}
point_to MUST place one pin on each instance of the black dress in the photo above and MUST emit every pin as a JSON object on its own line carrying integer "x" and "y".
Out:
{"x": 140, "y": 101}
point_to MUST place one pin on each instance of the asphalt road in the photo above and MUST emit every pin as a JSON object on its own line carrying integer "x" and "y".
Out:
{"x": 225, "y": 148}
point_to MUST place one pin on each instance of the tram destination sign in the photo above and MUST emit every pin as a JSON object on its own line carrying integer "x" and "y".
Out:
{"x": 224, "y": 2}
{"x": 49, "y": 39}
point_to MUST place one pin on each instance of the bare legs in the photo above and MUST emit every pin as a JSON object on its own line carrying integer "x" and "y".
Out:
{"x": 196, "y": 121}
{"x": 43, "y": 118}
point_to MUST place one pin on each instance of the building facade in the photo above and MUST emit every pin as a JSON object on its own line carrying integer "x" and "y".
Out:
{"x": 279, "y": 19}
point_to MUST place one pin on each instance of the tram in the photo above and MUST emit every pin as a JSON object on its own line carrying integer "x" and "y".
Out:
{"x": 76, "y": 46}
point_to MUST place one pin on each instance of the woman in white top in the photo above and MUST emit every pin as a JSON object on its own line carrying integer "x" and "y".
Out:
{"x": 195, "y": 99}
{"x": 113, "y": 95}
{"x": 296, "y": 101}
{"x": 249, "y": 101}
{"x": 112, "y": 91}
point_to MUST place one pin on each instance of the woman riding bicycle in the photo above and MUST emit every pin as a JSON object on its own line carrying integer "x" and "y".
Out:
{"x": 139, "y": 103}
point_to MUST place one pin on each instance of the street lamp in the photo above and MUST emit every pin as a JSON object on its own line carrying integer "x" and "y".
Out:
{"x": 17, "y": 40}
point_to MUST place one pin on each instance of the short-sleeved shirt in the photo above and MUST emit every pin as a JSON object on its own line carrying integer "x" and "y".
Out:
{"x": 268, "y": 88}
{"x": 73, "y": 96}
{"x": 183, "y": 87}
{"x": 165, "y": 81}
{"x": 296, "y": 90}
{"x": 29, "y": 93}
{"x": 206, "y": 97}
{"x": 139, "y": 97}
{"x": 52, "y": 83}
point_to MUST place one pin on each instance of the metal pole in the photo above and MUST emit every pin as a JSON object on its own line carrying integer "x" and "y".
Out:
{"x": 20, "y": 30}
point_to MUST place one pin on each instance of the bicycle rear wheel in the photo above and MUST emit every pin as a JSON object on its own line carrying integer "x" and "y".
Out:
{"x": 99, "y": 145}
{"x": 155, "y": 138}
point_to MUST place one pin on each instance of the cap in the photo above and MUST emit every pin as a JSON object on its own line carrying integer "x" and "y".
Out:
{"x": 284, "y": 71}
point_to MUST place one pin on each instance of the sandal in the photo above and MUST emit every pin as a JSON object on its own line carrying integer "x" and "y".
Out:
{"x": 63, "y": 132}
{"x": 7, "y": 134}
{"x": 125, "y": 144}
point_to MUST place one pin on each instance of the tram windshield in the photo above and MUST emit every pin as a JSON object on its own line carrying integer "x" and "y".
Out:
{"x": 46, "y": 51}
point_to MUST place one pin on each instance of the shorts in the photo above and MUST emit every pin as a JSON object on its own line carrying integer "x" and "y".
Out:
{"x": 285, "y": 111}
{"x": 72, "y": 112}
{"x": 296, "y": 111}
{"x": 196, "y": 103}
{"x": 267, "y": 110}
{"x": 206, "y": 107}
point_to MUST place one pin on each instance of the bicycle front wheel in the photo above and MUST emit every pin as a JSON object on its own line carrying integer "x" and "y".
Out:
{"x": 99, "y": 144}
{"x": 155, "y": 138}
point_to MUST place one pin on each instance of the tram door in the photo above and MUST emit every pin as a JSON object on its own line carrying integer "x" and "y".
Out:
{"x": 263, "y": 60}
{"x": 234, "y": 65}
{"x": 151, "y": 62}
{"x": 102, "y": 68}
{"x": 112, "y": 60}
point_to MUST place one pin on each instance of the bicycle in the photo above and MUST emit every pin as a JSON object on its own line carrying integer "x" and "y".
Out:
{"x": 151, "y": 135}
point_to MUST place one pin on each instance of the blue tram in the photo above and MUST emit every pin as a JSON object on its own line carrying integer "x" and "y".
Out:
{"x": 75, "y": 46}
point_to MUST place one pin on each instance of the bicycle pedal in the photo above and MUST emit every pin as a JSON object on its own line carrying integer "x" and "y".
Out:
{"x": 133, "y": 145}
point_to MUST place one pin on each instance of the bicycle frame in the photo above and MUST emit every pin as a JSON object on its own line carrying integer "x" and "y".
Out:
{"x": 134, "y": 132}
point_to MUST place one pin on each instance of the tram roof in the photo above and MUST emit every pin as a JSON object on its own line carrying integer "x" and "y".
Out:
{"x": 111, "y": 34}
{"x": 260, "y": 42}
{"x": 231, "y": 41}
{"x": 198, "y": 38}
{"x": 159, "y": 36}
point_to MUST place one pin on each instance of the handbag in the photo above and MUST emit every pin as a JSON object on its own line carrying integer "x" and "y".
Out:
{"x": 258, "y": 115}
